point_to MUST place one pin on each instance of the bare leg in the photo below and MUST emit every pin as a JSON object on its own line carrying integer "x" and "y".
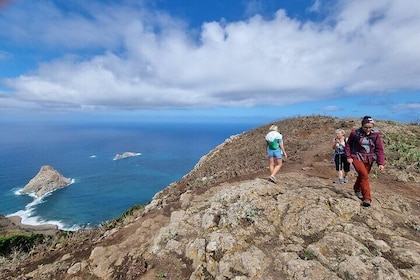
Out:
{"x": 271, "y": 163}
{"x": 276, "y": 167}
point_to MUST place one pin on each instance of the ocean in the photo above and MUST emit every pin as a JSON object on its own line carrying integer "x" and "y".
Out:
{"x": 103, "y": 188}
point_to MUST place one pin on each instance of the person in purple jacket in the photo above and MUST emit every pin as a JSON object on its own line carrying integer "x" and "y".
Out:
{"x": 364, "y": 147}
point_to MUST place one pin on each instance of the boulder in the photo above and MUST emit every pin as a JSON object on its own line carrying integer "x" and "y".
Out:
{"x": 47, "y": 180}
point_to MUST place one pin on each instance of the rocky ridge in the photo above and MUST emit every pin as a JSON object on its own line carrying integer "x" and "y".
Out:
{"x": 225, "y": 220}
{"x": 48, "y": 179}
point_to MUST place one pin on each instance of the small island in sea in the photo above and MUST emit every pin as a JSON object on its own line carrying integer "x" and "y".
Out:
{"x": 126, "y": 155}
{"x": 47, "y": 180}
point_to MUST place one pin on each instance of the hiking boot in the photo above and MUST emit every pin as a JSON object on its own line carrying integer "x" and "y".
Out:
{"x": 346, "y": 180}
{"x": 359, "y": 195}
{"x": 273, "y": 179}
{"x": 366, "y": 203}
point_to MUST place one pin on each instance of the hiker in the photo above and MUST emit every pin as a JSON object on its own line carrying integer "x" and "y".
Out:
{"x": 275, "y": 151}
{"x": 340, "y": 160}
{"x": 364, "y": 146}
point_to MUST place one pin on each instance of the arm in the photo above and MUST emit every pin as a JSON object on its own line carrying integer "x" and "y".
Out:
{"x": 379, "y": 150}
{"x": 349, "y": 144}
{"x": 282, "y": 149}
{"x": 335, "y": 146}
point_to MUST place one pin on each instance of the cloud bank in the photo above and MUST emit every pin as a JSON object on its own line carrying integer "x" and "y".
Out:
{"x": 132, "y": 57}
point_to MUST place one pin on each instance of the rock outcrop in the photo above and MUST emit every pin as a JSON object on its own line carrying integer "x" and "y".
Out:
{"x": 126, "y": 155}
{"x": 298, "y": 229}
{"x": 48, "y": 179}
{"x": 12, "y": 225}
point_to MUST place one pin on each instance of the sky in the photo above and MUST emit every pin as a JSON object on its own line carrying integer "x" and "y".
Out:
{"x": 232, "y": 60}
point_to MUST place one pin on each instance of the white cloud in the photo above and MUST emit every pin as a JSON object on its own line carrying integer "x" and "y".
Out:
{"x": 149, "y": 60}
{"x": 407, "y": 107}
{"x": 331, "y": 108}
{"x": 254, "y": 7}
{"x": 4, "y": 55}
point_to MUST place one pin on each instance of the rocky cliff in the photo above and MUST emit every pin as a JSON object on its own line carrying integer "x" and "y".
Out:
{"x": 48, "y": 179}
{"x": 225, "y": 220}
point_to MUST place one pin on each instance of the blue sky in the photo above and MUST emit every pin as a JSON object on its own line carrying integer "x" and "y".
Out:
{"x": 235, "y": 60}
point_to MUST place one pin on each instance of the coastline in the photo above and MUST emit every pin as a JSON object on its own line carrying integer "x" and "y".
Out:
{"x": 98, "y": 179}
{"x": 15, "y": 225}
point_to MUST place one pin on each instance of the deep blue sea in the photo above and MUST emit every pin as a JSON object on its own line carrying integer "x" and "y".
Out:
{"x": 103, "y": 188}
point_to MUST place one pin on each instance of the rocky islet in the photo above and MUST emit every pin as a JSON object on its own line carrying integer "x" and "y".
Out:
{"x": 47, "y": 180}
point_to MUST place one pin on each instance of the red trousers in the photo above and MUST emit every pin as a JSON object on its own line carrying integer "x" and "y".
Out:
{"x": 362, "y": 181}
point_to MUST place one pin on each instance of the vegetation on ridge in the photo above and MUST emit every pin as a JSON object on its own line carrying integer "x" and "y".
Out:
{"x": 19, "y": 243}
{"x": 403, "y": 152}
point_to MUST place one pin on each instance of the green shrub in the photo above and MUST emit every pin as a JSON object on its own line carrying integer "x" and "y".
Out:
{"x": 403, "y": 152}
{"x": 120, "y": 220}
{"x": 309, "y": 255}
{"x": 21, "y": 243}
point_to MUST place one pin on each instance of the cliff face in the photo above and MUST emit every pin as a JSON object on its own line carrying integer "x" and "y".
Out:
{"x": 225, "y": 220}
{"x": 48, "y": 179}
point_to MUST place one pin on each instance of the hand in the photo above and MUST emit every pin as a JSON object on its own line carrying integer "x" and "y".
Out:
{"x": 381, "y": 167}
{"x": 350, "y": 160}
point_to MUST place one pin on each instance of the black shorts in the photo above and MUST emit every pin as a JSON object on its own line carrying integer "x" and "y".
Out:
{"x": 341, "y": 162}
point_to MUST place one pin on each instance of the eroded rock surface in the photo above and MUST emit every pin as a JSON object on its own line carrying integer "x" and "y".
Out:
{"x": 300, "y": 228}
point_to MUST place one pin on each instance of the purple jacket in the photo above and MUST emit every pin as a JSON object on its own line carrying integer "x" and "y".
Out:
{"x": 354, "y": 148}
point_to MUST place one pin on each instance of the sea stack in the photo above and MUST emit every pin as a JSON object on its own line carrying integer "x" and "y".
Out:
{"x": 126, "y": 155}
{"x": 48, "y": 179}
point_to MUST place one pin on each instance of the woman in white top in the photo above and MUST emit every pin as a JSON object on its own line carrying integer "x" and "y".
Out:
{"x": 275, "y": 151}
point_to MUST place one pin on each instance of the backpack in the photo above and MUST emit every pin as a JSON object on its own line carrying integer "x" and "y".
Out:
{"x": 273, "y": 145}
{"x": 372, "y": 139}
{"x": 273, "y": 138}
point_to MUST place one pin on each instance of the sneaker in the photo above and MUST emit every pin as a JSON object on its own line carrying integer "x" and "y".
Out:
{"x": 346, "y": 180}
{"x": 359, "y": 195}
{"x": 339, "y": 181}
{"x": 273, "y": 179}
{"x": 366, "y": 203}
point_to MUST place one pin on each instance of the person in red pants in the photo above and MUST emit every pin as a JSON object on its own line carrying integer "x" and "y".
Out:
{"x": 364, "y": 147}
